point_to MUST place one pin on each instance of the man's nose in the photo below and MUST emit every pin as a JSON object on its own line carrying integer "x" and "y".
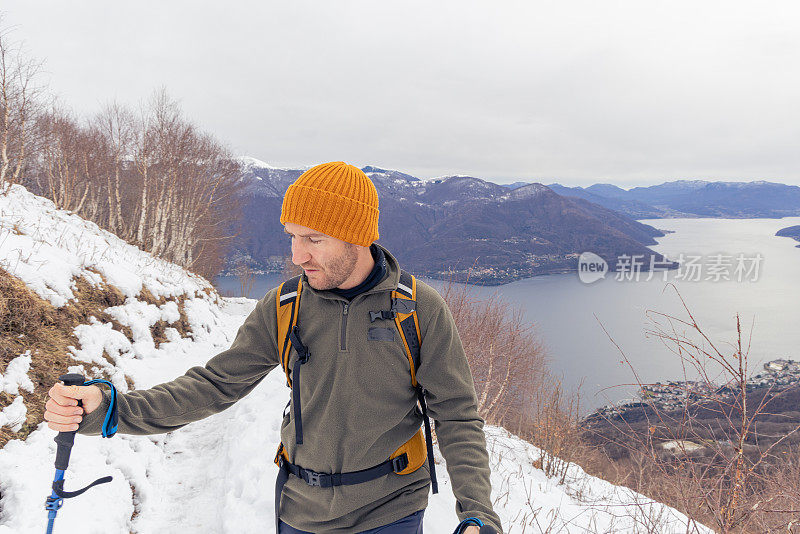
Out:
{"x": 299, "y": 253}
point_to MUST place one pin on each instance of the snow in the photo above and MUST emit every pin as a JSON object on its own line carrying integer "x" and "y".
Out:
{"x": 445, "y": 177}
{"x": 16, "y": 375}
{"x": 249, "y": 163}
{"x": 680, "y": 446}
{"x": 13, "y": 415}
{"x": 217, "y": 475}
{"x": 93, "y": 340}
{"x": 526, "y": 191}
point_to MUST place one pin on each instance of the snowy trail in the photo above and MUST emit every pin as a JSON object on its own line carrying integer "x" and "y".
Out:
{"x": 208, "y": 468}
{"x": 220, "y": 469}
{"x": 189, "y": 484}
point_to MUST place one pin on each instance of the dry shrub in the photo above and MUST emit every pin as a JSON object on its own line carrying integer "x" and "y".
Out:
{"x": 513, "y": 381}
{"x": 145, "y": 295}
{"x": 28, "y": 322}
{"x": 725, "y": 468}
{"x": 246, "y": 279}
{"x": 506, "y": 358}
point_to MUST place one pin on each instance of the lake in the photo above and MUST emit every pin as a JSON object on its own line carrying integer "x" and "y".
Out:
{"x": 731, "y": 266}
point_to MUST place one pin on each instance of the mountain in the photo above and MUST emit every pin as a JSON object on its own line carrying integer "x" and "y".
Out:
{"x": 454, "y": 189}
{"x": 510, "y": 236}
{"x": 612, "y": 200}
{"x": 391, "y": 183}
{"x": 265, "y": 180}
{"x": 723, "y": 199}
{"x": 694, "y": 198}
{"x": 458, "y": 225}
{"x": 607, "y": 190}
{"x": 515, "y": 185}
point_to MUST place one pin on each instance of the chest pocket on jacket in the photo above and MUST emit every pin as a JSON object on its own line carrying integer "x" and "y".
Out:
{"x": 381, "y": 334}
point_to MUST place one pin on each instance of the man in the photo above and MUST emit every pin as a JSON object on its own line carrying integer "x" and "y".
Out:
{"x": 358, "y": 405}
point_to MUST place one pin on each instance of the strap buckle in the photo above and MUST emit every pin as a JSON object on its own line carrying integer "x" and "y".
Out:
{"x": 383, "y": 314}
{"x": 404, "y": 306}
{"x": 314, "y": 478}
{"x": 400, "y": 463}
{"x": 399, "y": 306}
{"x": 53, "y": 503}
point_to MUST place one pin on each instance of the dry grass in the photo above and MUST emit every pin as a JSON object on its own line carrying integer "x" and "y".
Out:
{"x": 28, "y": 322}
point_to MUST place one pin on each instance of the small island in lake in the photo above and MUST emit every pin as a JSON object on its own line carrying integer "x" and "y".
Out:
{"x": 790, "y": 231}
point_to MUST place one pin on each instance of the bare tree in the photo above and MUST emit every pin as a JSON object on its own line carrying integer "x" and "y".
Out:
{"x": 20, "y": 98}
{"x": 72, "y": 164}
{"x": 152, "y": 178}
{"x": 191, "y": 188}
{"x": 116, "y": 126}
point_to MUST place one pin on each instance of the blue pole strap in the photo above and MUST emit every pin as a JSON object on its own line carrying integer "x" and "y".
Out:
{"x": 468, "y": 522}
{"x": 110, "y": 422}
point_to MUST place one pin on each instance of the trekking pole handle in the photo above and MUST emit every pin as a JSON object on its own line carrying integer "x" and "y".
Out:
{"x": 65, "y": 440}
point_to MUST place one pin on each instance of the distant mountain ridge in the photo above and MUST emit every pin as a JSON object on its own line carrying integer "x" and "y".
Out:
{"x": 694, "y": 198}
{"x": 454, "y": 225}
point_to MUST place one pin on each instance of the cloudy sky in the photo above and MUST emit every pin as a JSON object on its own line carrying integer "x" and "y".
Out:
{"x": 632, "y": 93}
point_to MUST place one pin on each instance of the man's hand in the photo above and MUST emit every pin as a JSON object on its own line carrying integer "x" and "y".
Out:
{"x": 62, "y": 412}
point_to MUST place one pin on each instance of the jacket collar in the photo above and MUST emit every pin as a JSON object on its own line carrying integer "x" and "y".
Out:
{"x": 389, "y": 283}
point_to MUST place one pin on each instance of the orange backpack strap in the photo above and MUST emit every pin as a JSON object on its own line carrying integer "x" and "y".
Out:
{"x": 404, "y": 309}
{"x": 287, "y": 305}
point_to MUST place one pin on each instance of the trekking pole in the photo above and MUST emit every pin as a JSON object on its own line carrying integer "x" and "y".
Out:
{"x": 64, "y": 442}
{"x": 474, "y": 521}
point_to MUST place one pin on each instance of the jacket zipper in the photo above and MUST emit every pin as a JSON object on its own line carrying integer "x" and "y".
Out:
{"x": 343, "y": 338}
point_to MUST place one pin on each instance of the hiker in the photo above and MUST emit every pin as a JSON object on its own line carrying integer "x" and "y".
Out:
{"x": 366, "y": 343}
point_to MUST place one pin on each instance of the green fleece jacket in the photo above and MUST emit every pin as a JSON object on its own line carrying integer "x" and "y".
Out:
{"x": 358, "y": 405}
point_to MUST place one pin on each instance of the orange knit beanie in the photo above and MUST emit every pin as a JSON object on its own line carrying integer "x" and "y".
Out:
{"x": 336, "y": 199}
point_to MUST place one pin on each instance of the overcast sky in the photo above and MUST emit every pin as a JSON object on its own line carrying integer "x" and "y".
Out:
{"x": 631, "y": 93}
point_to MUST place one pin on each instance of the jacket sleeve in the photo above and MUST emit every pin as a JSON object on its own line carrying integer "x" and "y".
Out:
{"x": 202, "y": 390}
{"x": 452, "y": 402}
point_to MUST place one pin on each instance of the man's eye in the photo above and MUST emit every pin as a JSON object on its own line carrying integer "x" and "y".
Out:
{"x": 315, "y": 241}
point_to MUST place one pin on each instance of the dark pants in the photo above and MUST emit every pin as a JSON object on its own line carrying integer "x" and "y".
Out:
{"x": 411, "y": 524}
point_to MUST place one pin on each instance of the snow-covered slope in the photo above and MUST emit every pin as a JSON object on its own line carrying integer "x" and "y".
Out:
{"x": 217, "y": 475}
{"x": 47, "y": 248}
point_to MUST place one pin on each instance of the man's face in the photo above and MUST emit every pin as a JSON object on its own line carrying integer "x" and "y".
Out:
{"x": 327, "y": 261}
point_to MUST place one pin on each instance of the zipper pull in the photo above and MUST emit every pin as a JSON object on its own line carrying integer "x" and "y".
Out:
{"x": 346, "y": 306}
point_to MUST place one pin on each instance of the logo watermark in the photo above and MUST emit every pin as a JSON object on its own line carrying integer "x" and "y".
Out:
{"x": 591, "y": 267}
{"x": 691, "y": 267}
